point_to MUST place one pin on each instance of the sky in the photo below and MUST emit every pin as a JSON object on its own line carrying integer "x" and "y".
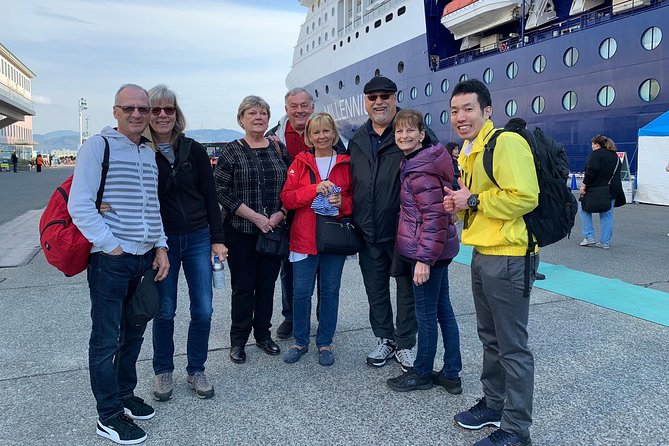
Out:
{"x": 212, "y": 53}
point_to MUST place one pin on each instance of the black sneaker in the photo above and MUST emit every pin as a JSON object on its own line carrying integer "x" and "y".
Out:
{"x": 137, "y": 409}
{"x": 407, "y": 382}
{"x": 501, "y": 438}
{"x": 285, "y": 330}
{"x": 121, "y": 429}
{"x": 452, "y": 386}
{"x": 479, "y": 416}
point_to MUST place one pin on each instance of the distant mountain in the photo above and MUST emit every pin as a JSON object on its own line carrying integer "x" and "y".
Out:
{"x": 69, "y": 139}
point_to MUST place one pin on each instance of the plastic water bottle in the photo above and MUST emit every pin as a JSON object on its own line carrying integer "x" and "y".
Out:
{"x": 218, "y": 276}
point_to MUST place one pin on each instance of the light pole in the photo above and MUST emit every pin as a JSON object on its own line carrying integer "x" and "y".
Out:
{"x": 82, "y": 107}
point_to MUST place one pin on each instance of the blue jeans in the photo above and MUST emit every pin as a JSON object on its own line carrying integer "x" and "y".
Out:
{"x": 605, "y": 221}
{"x": 114, "y": 345}
{"x": 304, "y": 279}
{"x": 193, "y": 251}
{"x": 433, "y": 305}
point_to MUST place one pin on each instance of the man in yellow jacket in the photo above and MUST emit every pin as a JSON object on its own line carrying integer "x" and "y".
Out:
{"x": 493, "y": 224}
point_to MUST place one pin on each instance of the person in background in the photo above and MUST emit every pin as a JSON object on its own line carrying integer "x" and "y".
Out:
{"x": 249, "y": 176}
{"x": 15, "y": 162}
{"x": 39, "y": 162}
{"x": 428, "y": 240}
{"x": 454, "y": 150}
{"x": 194, "y": 230}
{"x": 331, "y": 175}
{"x": 493, "y": 224}
{"x": 128, "y": 240}
{"x": 603, "y": 167}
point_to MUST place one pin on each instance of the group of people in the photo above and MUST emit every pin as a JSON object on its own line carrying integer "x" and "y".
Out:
{"x": 162, "y": 210}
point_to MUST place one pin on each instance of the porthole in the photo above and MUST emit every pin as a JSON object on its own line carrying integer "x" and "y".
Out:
{"x": 608, "y": 48}
{"x": 443, "y": 117}
{"x": 301, "y": 51}
{"x": 539, "y": 64}
{"x": 413, "y": 93}
{"x": 326, "y": 16}
{"x": 428, "y": 89}
{"x": 606, "y": 95}
{"x": 570, "y": 57}
{"x": 341, "y": 85}
{"x": 334, "y": 47}
{"x": 327, "y": 89}
{"x": 445, "y": 85}
{"x": 464, "y": 77}
{"x": 569, "y": 100}
{"x": 333, "y": 33}
{"x": 389, "y": 17}
{"x": 400, "y": 96}
{"x": 357, "y": 34}
{"x": 511, "y": 108}
{"x": 333, "y": 12}
{"x": 538, "y": 105}
{"x": 366, "y": 29}
{"x": 488, "y": 75}
{"x": 319, "y": 40}
{"x": 348, "y": 39}
{"x": 341, "y": 43}
{"x": 316, "y": 92}
{"x": 512, "y": 70}
{"x": 651, "y": 38}
{"x": 649, "y": 90}
{"x": 428, "y": 119}
{"x": 377, "y": 72}
{"x": 402, "y": 10}
{"x": 377, "y": 23}
{"x": 357, "y": 79}
{"x": 400, "y": 67}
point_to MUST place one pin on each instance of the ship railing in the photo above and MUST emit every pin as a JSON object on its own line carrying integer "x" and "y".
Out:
{"x": 584, "y": 21}
{"x": 368, "y": 17}
{"x": 14, "y": 96}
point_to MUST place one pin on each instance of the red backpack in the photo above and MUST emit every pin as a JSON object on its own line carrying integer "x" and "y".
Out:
{"x": 64, "y": 246}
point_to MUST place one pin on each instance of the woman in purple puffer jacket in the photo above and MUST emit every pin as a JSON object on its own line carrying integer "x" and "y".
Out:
{"x": 428, "y": 241}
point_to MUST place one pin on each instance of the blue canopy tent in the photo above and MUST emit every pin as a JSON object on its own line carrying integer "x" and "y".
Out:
{"x": 653, "y": 162}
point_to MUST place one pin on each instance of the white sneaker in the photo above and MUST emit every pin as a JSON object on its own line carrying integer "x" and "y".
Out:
{"x": 406, "y": 358}
{"x": 588, "y": 241}
{"x": 384, "y": 350}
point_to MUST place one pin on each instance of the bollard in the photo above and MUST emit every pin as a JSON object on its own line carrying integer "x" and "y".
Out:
{"x": 573, "y": 182}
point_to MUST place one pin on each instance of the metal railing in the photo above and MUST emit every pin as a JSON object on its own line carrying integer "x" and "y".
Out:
{"x": 13, "y": 96}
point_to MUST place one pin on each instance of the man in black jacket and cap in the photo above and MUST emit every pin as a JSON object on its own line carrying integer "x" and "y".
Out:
{"x": 375, "y": 161}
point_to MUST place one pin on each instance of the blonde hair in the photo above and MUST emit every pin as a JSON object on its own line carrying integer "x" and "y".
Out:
{"x": 248, "y": 103}
{"x": 160, "y": 94}
{"x": 320, "y": 120}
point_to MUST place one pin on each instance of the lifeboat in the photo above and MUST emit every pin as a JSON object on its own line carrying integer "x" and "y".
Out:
{"x": 468, "y": 17}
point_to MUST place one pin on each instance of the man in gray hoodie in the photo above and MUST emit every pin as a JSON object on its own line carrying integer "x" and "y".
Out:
{"x": 128, "y": 240}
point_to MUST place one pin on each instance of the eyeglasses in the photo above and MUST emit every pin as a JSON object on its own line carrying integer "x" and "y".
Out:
{"x": 130, "y": 109}
{"x": 169, "y": 111}
{"x": 384, "y": 96}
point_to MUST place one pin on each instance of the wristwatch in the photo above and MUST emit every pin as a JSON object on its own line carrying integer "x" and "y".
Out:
{"x": 473, "y": 202}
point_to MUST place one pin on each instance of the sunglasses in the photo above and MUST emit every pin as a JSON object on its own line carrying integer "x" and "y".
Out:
{"x": 384, "y": 96}
{"x": 169, "y": 111}
{"x": 130, "y": 109}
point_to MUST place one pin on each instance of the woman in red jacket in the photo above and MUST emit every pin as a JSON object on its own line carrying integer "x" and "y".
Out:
{"x": 320, "y": 177}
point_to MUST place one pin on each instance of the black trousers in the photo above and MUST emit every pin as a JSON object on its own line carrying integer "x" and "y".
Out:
{"x": 252, "y": 278}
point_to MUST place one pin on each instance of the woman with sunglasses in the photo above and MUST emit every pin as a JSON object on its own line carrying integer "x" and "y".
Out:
{"x": 318, "y": 181}
{"x": 192, "y": 222}
{"x": 249, "y": 176}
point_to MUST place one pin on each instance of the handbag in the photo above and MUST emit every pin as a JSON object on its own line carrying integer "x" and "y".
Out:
{"x": 274, "y": 243}
{"x": 337, "y": 236}
{"x": 144, "y": 303}
{"x": 598, "y": 199}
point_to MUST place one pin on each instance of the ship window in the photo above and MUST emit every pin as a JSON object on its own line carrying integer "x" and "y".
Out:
{"x": 389, "y": 17}
{"x": 464, "y": 77}
{"x": 512, "y": 70}
{"x": 538, "y": 105}
{"x": 511, "y": 108}
{"x": 569, "y": 100}
{"x": 400, "y": 67}
{"x": 334, "y": 47}
{"x": 377, "y": 23}
{"x": 326, "y": 37}
{"x": 307, "y": 30}
{"x": 333, "y": 32}
{"x": 366, "y": 29}
{"x": 349, "y": 39}
{"x": 377, "y": 72}
{"x": 651, "y": 38}
{"x": 445, "y": 86}
{"x": 606, "y": 95}
{"x": 488, "y": 75}
{"x": 357, "y": 34}
{"x": 413, "y": 93}
{"x": 608, "y": 48}
{"x": 327, "y": 89}
{"x": 316, "y": 92}
{"x": 400, "y": 96}
{"x": 428, "y": 119}
{"x": 357, "y": 79}
{"x": 402, "y": 10}
{"x": 443, "y": 117}
{"x": 428, "y": 89}
{"x": 570, "y": 57}
{"x": 313, "y": 26}
{"x": 319, "y": 40}
{"x": 341, "y": 43}
{"x": 649, "y": 90}
{"x": 333, "y": 12}
{"x": 539, "y": 64}
{"x": 326, "y": 16}
{"x": 341, "y": 85}
{"x": 301, "y": 51}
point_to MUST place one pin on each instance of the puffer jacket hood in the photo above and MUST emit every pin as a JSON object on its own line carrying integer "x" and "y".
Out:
{"x": 426, "y": 232}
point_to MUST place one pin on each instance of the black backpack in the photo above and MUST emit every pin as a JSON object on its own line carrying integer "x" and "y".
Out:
{"x": 553, "y": 218}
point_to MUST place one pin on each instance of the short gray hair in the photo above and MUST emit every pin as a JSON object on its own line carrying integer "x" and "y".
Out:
{"x": 298, "y": 90}
{"x": 248, "y": 103}
{"x": 124, "y": 86}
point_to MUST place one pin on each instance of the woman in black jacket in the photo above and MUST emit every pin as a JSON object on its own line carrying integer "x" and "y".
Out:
{"x": 602, "y": 168}
{"x": 192, "y": 222}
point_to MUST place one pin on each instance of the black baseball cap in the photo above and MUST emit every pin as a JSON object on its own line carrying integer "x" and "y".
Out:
{"x": 380, "y": 83}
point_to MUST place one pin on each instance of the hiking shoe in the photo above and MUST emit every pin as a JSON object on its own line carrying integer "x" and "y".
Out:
{"x": 198, "y": 381}
{"x": 407, "y": 382}
{"x": 326, "y": 357}
{"x": 384, "y": 350}
{"x": 452, "y": 386}
{"x": 602, "y": 245}
{"x": 137, "y": 409}
{"x": 285, "y": 330}
{"x": 294, "y": 354}
{"x": 406, "y": 358}
{"x": 501, "y": 438}
{"x": 121, "y": 430}
{"x": 478, "y": 416}
{"x": 587, "y": 242}
{"x": 162, "y": 386}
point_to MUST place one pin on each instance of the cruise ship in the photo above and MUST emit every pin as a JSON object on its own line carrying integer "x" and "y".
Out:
{"x": 574, "y": 68}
